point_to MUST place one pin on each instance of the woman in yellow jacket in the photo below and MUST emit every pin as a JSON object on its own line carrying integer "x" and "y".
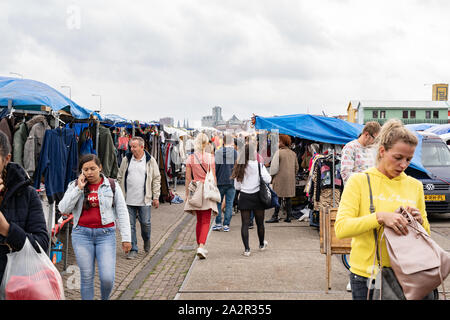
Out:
{"x": 391, "y": 188}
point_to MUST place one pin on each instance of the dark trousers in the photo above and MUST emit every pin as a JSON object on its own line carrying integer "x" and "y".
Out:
{"x": 259, "y": 218}
{"x": 288, "y": 202}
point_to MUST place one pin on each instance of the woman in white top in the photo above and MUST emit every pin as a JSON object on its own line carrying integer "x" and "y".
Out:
{"x": 246, "y": 179}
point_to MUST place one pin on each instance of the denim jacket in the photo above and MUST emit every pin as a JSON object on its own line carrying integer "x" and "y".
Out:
{"x": 72, "y": 202}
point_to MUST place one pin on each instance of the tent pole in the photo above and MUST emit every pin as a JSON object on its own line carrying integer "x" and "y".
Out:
{"x": 334, "y": 176}
{"x": 97, "y": 134}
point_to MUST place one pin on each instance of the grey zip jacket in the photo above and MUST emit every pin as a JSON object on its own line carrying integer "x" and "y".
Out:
{"x": 72, "y": 202}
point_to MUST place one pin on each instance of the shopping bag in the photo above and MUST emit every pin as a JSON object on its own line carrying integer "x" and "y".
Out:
{"x": 30, "y": 275}
{"x": 210, "y": 190}
{"x": 195, "y": 197}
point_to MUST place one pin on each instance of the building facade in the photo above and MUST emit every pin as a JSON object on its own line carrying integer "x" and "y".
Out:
{"x": 168, "y": 121}
{"x": 410, "y": 112}
{"x": 214, "y": 119}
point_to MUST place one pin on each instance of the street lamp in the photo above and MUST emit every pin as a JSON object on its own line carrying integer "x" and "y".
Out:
{"x": 18, "y": 74}
{"x": 70, "y": 91}
{"x": 97, "y": 95}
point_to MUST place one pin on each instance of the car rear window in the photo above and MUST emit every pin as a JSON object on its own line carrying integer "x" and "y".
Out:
{"x": 435, "y": 154}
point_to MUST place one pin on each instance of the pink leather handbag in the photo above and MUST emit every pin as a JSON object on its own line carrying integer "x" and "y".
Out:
{"x": 419, "y": 263}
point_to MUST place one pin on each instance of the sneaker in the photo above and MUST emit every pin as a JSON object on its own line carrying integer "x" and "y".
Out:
{"x": 226, "y": 228}
{"x": 201, "y": 253}
{"x": 246, "y": 253}
{"x": 264, "y": 246}
{"x": 217, "y": 227}
{"x": 132, "y": 255}
{"x": 251, "y": 226}
{"x": 349, "y": 287}
{"x": 303, "y": 217}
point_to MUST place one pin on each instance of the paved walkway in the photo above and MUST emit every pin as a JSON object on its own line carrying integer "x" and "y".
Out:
{"x": 164, "y": 220}
{"x": 292, "y": 267}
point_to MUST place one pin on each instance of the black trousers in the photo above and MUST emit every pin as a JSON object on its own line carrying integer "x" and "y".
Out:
{"x": 288, "y": 202}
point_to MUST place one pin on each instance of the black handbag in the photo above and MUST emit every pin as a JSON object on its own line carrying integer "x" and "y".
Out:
{"x": 265, "y": 195}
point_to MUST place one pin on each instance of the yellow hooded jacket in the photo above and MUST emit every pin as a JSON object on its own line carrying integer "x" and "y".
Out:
{"x": 355, "y": 221}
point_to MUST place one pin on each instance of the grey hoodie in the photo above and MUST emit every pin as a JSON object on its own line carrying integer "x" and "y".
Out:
{"x": 36, "y": 126}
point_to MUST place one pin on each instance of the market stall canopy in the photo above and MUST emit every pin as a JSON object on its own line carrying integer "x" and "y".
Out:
{"x": 175, "y": 131}
{"x": 26, "y": 93}
{"x": 439, "y": 129}
{"x": 325, "y": 130}
{"x": 116, "y": 120}
{"x": 419, "y": 126}
{"x": 316, "y": 128}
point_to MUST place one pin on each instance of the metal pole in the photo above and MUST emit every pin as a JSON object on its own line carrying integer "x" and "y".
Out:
{"x": 50, "y": 226}
{"x": 97, "y": 135}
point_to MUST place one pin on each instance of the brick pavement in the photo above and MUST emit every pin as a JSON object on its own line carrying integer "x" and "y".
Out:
{"x": 166, "y": 279}
{"x": 173, "y": 267}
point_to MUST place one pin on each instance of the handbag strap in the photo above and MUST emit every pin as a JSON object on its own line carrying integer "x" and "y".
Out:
{"x": 200, "y": 162}
{"x": 375, "y": 234}
{"x": 259, "y": 171}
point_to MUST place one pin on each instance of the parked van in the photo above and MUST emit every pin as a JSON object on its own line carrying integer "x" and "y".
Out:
{"x": 436, "y": 185}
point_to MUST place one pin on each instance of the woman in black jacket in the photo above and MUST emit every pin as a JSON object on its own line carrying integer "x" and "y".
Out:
{"x": 21, "y": 213}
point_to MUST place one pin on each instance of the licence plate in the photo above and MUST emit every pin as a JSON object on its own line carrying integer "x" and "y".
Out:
{"x": 435, "y": 197}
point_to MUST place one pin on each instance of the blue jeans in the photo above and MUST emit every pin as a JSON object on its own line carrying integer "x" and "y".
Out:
{"x": 90, "y": 244}
{"x": 143, "y": 214}
{"x": 228, "y": 191}
{"x": 360, "y": 286}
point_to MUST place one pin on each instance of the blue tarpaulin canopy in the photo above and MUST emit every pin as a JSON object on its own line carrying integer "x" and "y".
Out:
{"x": 117, "y": 121}
{"x": 419, "y": 126}
{"x": 439, "y": 129}
{"x": 316, "y": 128}
{"x": 325, "y": 130}
{"x": 25, "y": 92}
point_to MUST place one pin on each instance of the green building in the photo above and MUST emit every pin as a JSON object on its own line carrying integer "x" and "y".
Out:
{"x": 410, "y": 112}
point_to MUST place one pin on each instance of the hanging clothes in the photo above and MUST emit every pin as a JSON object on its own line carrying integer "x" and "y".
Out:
{"x": 323, "y": 179}
{"x": 20, "y": 137}
{"x": 57, "y": 163}
{"x": 106, "y": 149}
{"x": 37, "y": 127}
{"x": 87, "y": 147}
{"x": 7, "y": 127}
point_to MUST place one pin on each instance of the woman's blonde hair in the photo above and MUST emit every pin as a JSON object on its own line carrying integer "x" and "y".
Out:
{"x": 201, "y": 141}
{"x": 392, "y": 132}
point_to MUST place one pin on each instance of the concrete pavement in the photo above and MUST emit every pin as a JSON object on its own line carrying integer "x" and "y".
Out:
{"x": 292, "y": 267}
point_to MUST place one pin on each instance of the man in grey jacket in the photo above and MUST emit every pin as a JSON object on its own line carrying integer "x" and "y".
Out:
{"x": 140, "y": 181}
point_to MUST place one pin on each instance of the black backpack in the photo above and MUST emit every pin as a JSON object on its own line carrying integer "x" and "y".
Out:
{"x": 112, "y": 183}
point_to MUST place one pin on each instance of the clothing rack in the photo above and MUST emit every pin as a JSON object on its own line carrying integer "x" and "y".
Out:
{"x": 45, "y": 111}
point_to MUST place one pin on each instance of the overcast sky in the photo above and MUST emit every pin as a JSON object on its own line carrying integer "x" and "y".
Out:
{"x": 180, "y": 58}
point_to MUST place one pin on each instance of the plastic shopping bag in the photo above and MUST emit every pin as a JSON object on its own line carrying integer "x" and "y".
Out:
{"x": 31, "y": 276}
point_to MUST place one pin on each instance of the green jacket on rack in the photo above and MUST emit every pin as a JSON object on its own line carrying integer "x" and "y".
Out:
{"x": 106, "y": 149}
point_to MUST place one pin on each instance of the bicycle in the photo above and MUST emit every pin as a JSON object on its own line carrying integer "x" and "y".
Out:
{"x": 345, "y": 258}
